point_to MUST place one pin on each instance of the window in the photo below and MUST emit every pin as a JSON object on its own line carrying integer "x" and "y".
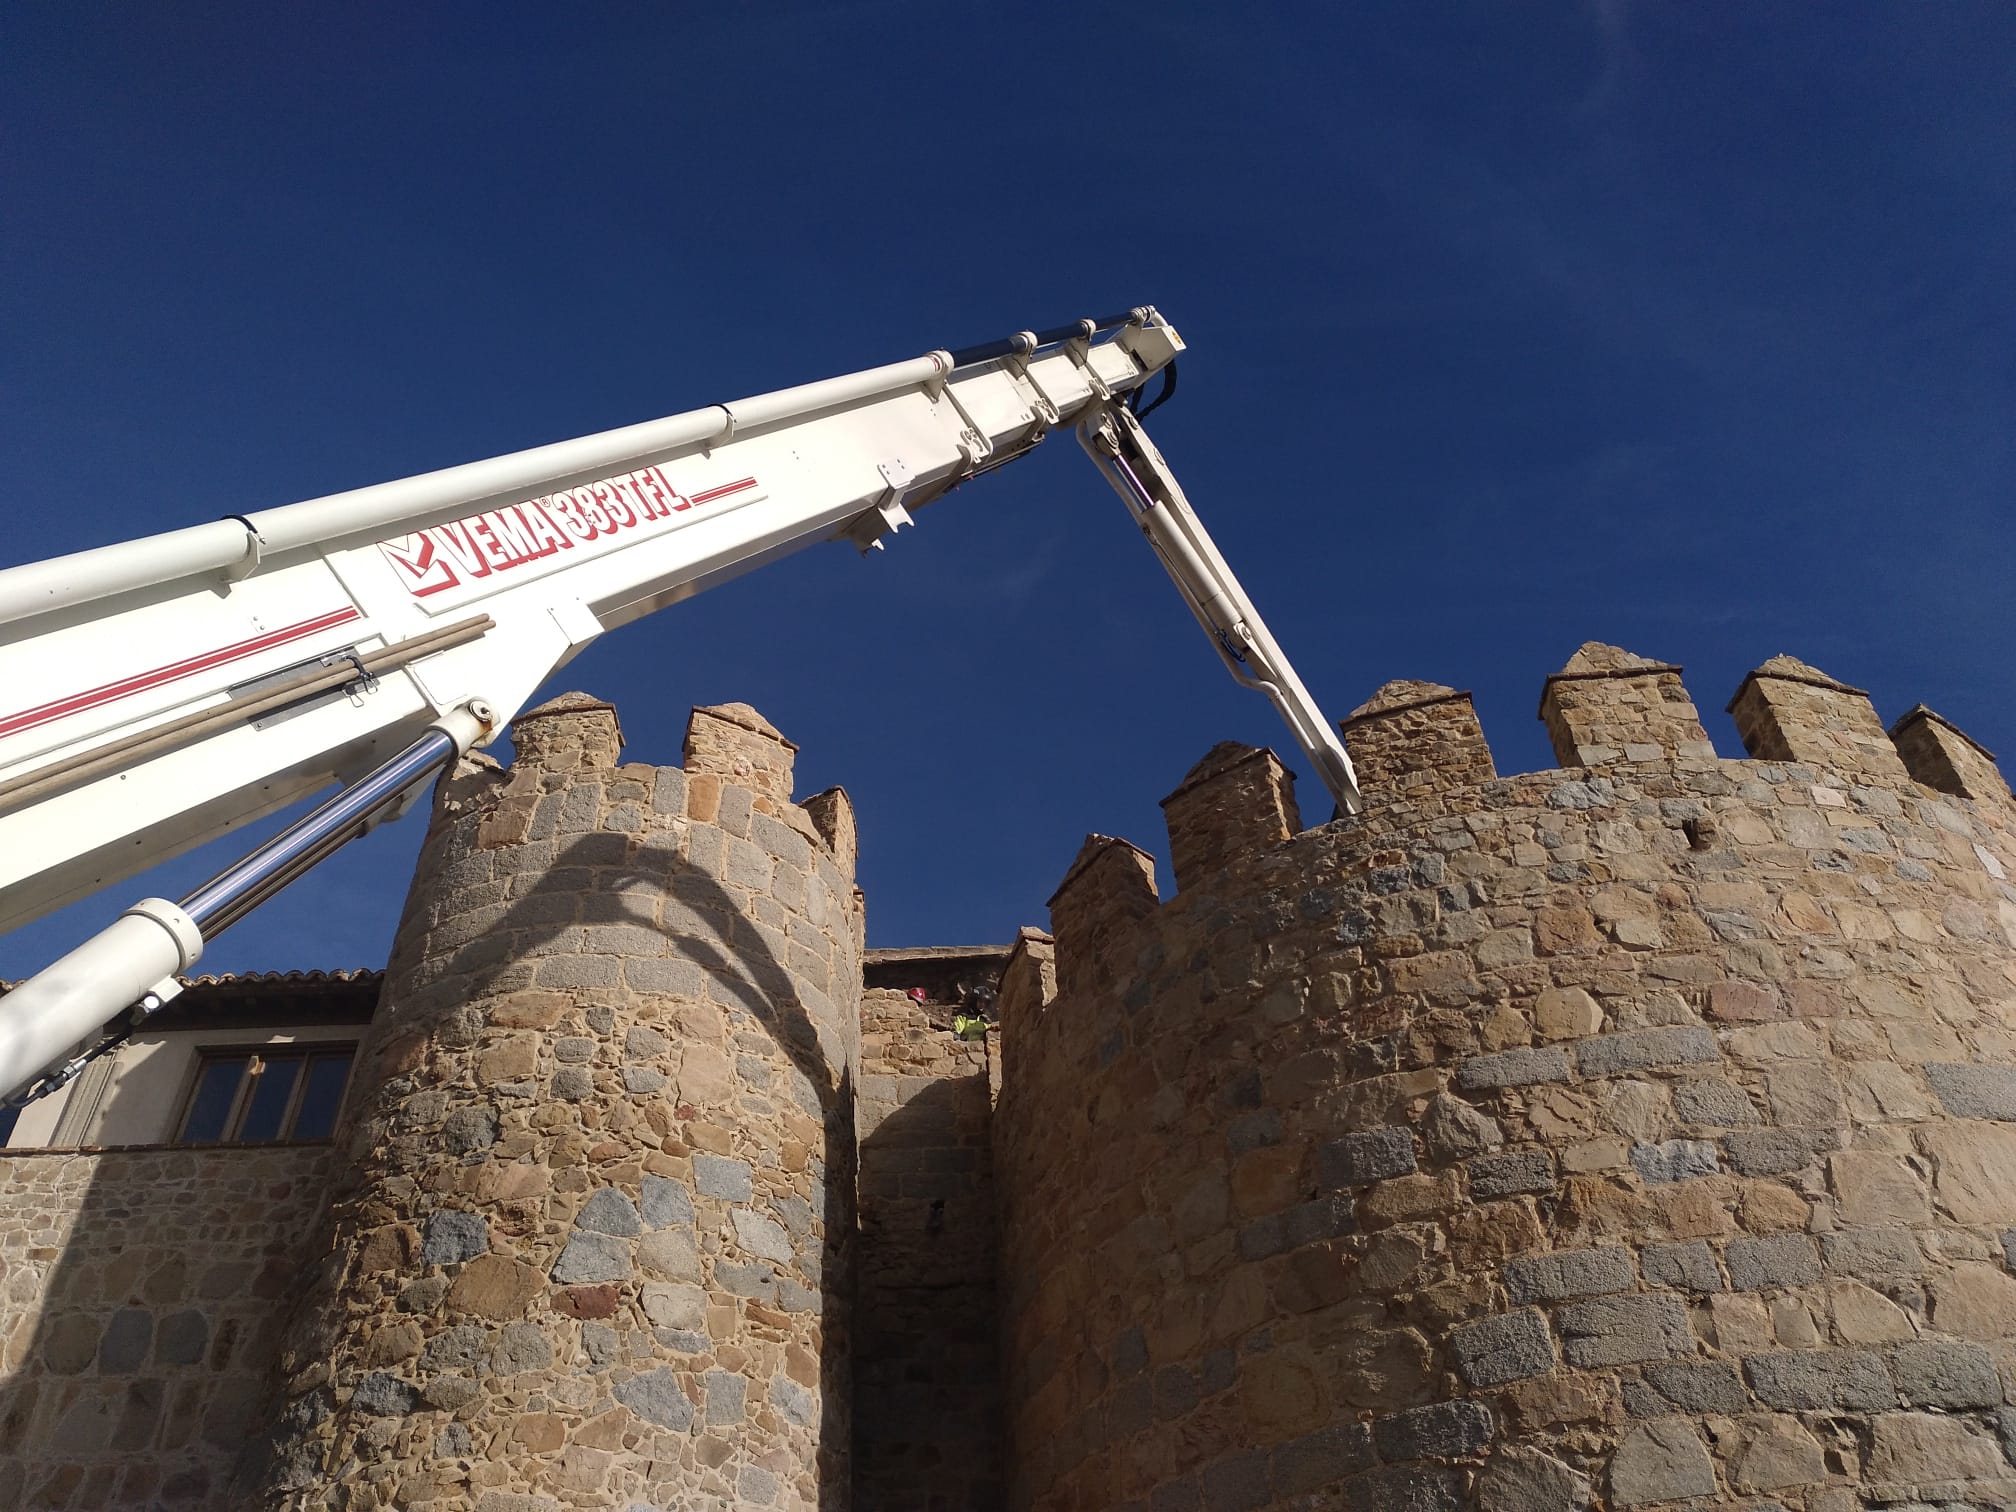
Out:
{"x": 257, "y": 1096}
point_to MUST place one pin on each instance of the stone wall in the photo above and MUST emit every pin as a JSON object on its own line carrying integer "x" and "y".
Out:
{"x": 1636, "y": 1135}
{"x": 590, "y": 1243}
{"x": 926, "y": 1373}
{"x": 141, "y": 1294}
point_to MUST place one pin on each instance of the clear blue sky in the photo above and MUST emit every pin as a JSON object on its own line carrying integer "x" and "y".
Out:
{"x": 1684, "y": 326}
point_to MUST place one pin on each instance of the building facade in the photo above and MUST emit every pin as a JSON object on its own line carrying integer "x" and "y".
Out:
{"x": 1637, "y": 1134}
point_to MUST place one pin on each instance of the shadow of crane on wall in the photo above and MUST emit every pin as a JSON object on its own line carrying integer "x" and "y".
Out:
{"x": 167, "y": 1280}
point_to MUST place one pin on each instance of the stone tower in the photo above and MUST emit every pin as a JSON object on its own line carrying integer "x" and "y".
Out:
{"x": 1638, "y": 1134}
{"x": 589, "y": 1246}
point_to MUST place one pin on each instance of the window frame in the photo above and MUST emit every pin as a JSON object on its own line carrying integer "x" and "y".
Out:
{"x": 254, "y": 1059}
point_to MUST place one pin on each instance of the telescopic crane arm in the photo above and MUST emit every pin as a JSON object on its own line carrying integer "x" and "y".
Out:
{"x": 161, "y": 692}
{"x": 1120, "y": 447}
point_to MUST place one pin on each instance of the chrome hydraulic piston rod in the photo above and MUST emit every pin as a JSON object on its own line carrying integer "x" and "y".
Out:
{"x": 131, "y": 966}
{"x": 238, "y": 889}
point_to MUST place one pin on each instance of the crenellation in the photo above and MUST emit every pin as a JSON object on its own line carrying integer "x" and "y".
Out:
{"x": 1621, "y": 1136}
{"x": 1239, "y": 800}
{"x": 633, "y": 1080}
{"x": 1413, "y": 737}
{"x": 1608, "y": 705}
{"x": 568, "y": 734}
{"x": 1788, "y": 711}
{"x": 1611, "y": 1135}
{"x": 1941, "y": 755}
{"x": 1110, "y": 885}
{"x": 832, "y": 816}
{"x": 736, "y": 744}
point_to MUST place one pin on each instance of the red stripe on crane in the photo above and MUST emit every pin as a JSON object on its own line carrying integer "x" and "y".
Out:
{"x": 41, "y": 714}
{"x": 723, "y": 491}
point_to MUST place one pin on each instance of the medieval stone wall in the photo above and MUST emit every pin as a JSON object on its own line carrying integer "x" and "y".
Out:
{"x": 590, "y": 1243}
{"x": 926, "y": 1374}
{"x": 1636, "y": 1135}
{"x": 141, "y": 1292}
{"x": 1639, "y": 1135}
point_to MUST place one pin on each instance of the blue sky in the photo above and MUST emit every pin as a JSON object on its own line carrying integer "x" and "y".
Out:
{"x": 1683, "y": 326}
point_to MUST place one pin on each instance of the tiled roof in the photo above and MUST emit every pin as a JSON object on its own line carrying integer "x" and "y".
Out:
{"x": 244, "y": 999}
{"x": 283, "y": 978}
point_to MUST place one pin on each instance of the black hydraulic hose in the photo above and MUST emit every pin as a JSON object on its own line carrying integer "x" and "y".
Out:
{"x": 1168, "y": 389}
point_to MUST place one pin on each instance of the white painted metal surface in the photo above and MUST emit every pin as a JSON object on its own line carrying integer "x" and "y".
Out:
{"x": 555, "y": 545}
{"x": 1121, "y": 448}
{"x": 70, "y": 999}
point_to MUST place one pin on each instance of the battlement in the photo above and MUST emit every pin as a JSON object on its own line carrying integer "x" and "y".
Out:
{"x": 605, "y": 1115}
{"x": 1557, "y": 1140}
{"x": 738, "y": 745}
{"x": 1789, "y": 711}
{"x": 1633, "y": 1133}
{"x": 1414, "y": 737}
{"x": 1941, "y": 755}
{"x": 1419, "y": 749}
{"x": 1609, "y": 705}
{"x": 738, "y": 766}
{"x": 1238, "y": 798}
{"x": 1109, "y": 887}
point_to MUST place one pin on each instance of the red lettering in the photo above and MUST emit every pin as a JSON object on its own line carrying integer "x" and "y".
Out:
{"x": 591, "y": 511}
{"x": 656, "y": 505}
{"x": 613, "y": 504}
{"x": 672, "y": 497}
{"x": 454, "y": 538}
{"x": 571, "y": 518}
{"x": 638, "y": 497}
{"x": 478, "y": 527}
{"x": 514, "y": 536}
{"x": 548, "y": 536}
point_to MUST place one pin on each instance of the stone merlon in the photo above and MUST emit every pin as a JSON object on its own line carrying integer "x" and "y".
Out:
{"x": 735, "y": 743}
{"x": 575, "y": 732}
{"x": 1413, "y": 737}
{"x": 1787, "y": 710}
{"x": 1941, "y": 755}
{"x": 1238, "y": 800}
{"x": 1110, "y": 885}
{"x": 1608, "y": 704}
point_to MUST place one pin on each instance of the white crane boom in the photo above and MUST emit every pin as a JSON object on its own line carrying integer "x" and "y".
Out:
{"x": 161, "y": 692}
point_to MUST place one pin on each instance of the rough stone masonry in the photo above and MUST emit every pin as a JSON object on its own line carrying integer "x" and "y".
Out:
{"x": 1636, "y": 1135}
{"x": 1632, "y": 1137}
{"x": 591, "y": 1242}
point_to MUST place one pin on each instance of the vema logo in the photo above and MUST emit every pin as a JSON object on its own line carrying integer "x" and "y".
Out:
{"x": 421, "y": 566}
{"x": 500, "y": 540}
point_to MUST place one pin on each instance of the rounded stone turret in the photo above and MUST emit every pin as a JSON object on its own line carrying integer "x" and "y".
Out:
{"x": 589, "y": 1244}
{"x": 1637, "y": 1135}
